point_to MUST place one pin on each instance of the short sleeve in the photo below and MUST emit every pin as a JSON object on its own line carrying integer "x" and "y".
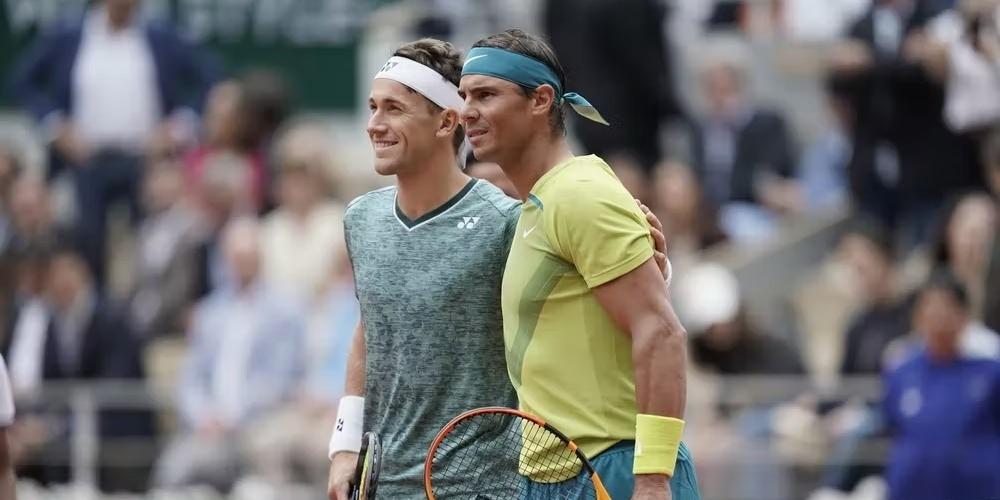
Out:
{"x": 6, "y": 397}
{"x": 599, "y": 228}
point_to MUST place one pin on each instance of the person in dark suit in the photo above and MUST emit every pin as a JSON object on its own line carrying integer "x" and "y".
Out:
{"x": 75, "y": 335}
{"x": 614, "y": 52}
{"x": 885, "y": 313}
{"x": 905, "y": 158}
{"x": 742, "y": 153}
{"x": 107, "y": 89}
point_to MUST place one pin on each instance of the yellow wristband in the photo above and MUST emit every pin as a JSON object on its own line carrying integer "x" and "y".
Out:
{"x": 656, "y": 442}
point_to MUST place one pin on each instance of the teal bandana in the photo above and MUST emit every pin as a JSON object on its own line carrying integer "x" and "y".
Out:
{"x": 527, "y": 72}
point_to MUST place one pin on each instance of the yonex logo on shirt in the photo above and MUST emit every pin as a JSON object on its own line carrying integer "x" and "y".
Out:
{"x": 468, "y": 222}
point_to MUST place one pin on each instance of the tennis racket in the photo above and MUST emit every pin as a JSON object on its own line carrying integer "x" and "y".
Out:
{"x": 369, "y": 466}
{"x": 502, "y": 453}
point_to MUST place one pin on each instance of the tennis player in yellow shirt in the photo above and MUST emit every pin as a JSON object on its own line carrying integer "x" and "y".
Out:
{"x": 593, "y": 345}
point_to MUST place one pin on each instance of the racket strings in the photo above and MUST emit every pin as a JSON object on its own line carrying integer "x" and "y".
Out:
{"x": 502, "y": 456}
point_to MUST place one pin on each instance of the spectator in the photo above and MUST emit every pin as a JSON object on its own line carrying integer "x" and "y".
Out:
{"x": 303, "y": 239}
{"x": 965, "y": 244}
{"x": 822, "y": 170}
{"x": 688, "y": 218}
{"x": 267, "y": 101}
{"x": 221, "y": 196}
{"x": 963, "y": 53}
{"x": 901, "y": 142}
{"x": 743, "y": 155}
{"x": 31, "y": 215}
{"x": 93, "y": 341}
{"x": 228, "y": 132}
{"x": 79, "y": 336}
{"x": 29, "y": 224}
{"x": 29, "y": 320}
{"x": 285, "y": 443}
{"x": 867, "y": 249}
{"x": 975, "y": 340}
{"x": 625, "y": 72}
{"x": 164, "y": 260}
{"x": 243, "y": 363}
{"x": 943, "y": 408}
{"x": 26, "y": 329}
{"x": 106, "y": 89}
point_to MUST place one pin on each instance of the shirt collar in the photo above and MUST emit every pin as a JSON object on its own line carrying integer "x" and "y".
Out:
{"x": 96, "y": 23}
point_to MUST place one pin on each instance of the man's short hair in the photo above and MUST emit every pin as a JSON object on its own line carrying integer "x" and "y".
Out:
{"x": 944, "y": 280}
{"x": 875, "y": 232}
{"x": 442, "y": 57}
{"x": 519, "y": 42}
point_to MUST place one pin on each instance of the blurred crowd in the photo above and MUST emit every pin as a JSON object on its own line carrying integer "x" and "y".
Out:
{"x": 236, "y": 279}
{"x": 911, "y": 290}
{"x": 233, "y": 249}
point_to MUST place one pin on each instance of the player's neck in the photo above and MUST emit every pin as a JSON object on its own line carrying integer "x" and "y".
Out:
{"x": 426, "y": 189}
{"x": 534, "y": 161}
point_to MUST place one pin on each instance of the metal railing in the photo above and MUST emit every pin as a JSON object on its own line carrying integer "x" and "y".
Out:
{"x": 83, "y": 401}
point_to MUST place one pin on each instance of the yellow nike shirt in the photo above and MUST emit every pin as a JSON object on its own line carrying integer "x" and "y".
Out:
{"x": 579, "y": 229}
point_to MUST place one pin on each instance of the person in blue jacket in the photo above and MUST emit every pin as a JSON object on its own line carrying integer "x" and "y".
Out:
{"x": 942, "y": 407}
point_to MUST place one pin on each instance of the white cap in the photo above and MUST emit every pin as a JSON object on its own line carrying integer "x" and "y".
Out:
{"x": 705, "y": 295}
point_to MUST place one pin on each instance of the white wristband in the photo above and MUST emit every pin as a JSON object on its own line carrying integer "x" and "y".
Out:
{"x": 349, "y": 426}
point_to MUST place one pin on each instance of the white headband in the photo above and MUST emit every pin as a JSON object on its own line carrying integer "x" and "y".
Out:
{"x": 426, "y": 81}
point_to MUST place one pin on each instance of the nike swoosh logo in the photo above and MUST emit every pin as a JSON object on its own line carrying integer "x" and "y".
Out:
{"x": 474, "y": 58}
{"x": 528, "y": 231}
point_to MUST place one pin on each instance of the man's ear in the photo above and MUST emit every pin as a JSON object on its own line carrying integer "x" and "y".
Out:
{"x": 449, "y": 122}
{"x": 542, "y": 99}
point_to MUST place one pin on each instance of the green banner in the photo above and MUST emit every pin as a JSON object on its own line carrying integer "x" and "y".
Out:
{"x": 312, "y": 43}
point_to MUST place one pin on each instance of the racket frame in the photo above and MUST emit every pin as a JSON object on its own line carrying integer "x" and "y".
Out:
{"x": 366, "y": 473}
{"x": 602, "y": 493}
